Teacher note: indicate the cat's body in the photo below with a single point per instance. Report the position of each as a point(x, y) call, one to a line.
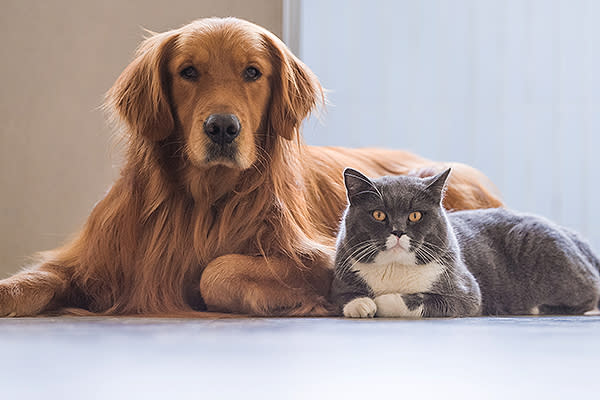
point(525, 264)
point(399, 254)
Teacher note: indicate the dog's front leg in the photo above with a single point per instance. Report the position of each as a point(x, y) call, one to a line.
point(32, 291)
point(265, 286)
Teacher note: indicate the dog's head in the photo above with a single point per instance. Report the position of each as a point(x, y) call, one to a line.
point(223, 85)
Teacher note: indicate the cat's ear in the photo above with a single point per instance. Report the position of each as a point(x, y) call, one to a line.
point(436, 185)
point(357, 184)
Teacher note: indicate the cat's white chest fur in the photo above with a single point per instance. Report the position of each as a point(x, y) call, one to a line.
point(396, 271)
point(399, 278)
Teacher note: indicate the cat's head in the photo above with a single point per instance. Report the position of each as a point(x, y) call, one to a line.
point(395, 219)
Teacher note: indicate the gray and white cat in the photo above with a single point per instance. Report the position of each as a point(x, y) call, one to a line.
point(399, 254)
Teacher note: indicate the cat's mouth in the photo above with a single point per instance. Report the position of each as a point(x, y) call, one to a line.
point(398, 244)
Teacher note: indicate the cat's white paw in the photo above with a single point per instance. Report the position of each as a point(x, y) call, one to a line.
point(393, 305)
point(361, 307)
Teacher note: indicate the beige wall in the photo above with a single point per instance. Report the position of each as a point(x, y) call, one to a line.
point(58, 58)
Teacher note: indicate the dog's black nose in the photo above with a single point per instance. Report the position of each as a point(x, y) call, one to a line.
point(222, 128)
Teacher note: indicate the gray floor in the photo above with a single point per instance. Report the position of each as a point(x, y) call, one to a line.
point(89, 358)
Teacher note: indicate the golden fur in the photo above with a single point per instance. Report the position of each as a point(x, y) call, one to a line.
point(183, 230)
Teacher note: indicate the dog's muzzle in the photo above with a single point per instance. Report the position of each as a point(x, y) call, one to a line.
point(222, 128)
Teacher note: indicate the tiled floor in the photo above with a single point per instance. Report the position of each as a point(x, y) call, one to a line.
point(483, 358)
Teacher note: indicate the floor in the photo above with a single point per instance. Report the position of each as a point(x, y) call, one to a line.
point(483, 358)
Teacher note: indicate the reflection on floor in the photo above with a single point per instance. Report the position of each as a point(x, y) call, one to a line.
point(484, 358)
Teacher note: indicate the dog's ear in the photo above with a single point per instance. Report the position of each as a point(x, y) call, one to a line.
point(296, 91)
point(140, 96)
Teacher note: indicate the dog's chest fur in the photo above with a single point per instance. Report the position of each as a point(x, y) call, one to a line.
point(397, 277)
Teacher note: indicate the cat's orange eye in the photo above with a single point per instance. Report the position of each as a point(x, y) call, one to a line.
point(379, 215)
point(415, 216)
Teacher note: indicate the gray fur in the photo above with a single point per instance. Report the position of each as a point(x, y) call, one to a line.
point(495, 261)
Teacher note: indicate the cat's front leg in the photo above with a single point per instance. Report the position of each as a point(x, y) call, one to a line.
point(440, 306)
point(430, 305)
point(360, 307)
point(393, 305)
point(352, 296)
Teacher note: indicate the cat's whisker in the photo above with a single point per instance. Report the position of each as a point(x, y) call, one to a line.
point(353, 251)
point(367, 254)
point(360, 243)
point(433, 246)
point(443, 252)
point(356, 261)
point(428, 253)
point(434, 258)
point(365, 249)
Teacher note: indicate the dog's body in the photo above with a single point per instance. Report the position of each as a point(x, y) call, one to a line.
point(219, 204)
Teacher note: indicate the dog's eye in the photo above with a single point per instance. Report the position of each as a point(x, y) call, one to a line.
point(251, 74)
point(189, 73)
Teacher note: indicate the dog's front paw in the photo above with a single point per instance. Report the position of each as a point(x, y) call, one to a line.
point(361, 307)
point(20, 297)
point(7, 304)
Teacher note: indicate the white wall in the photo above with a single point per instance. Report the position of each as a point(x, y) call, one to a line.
point(509, 86)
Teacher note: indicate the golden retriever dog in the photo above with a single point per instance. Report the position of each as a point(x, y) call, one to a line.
point(220, 206)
